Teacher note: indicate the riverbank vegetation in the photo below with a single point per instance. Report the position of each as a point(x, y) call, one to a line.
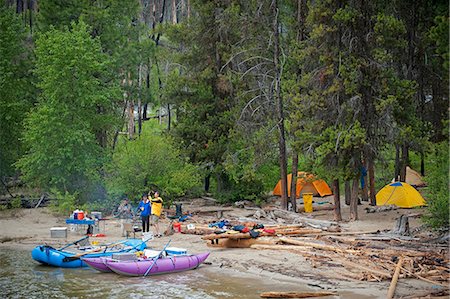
point(105, 99)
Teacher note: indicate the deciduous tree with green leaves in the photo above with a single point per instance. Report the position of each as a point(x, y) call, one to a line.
point(150, 163)
point(60, 136)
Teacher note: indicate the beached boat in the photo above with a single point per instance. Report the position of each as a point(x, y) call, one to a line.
point(144, 267)
point(48, 255)
point(96, 263)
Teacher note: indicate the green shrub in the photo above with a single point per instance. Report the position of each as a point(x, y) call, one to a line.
point(16, 203)
point(150, 163)
point(66, 202)
point(438, 188)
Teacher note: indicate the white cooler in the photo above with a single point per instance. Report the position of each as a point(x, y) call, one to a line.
point(58, 232)
point(151, 253)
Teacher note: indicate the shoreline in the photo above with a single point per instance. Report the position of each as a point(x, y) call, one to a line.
point(27, 228)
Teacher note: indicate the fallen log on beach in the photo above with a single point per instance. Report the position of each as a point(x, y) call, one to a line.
point(301, 209)
point(242, 243)
point(296, 294)
point(394, 280)
point(319, 246)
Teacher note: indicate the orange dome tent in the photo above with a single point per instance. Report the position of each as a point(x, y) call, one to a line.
point(306, 183)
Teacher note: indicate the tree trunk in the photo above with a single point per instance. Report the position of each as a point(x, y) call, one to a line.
point(404, 162)
point(101, 134)
point(207, 182)
point(131, 128)
point(182, 9)
point(337, 201)
point(371, 170)
point(365, 191)
point(401, 226)
point(30, 10)
point(174, 11)
point(397, 163)
point(140, 101)
point(161, 20)
point(422, 100)
point(169, 117)
point(279, 105)
point(301, 15)
point(19, 6)
point(354, 200)
point(348, 193)
point(188, 5)
point(294, 180)
point(153, 18)
point(122, 119)
point(422, 164)
point(147, 85)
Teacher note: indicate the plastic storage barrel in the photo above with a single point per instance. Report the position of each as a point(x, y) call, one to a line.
point(307, 201)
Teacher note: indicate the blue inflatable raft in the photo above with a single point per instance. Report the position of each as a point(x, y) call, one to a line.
point(48, 255)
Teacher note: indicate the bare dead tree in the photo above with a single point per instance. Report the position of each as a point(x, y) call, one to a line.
point(279, 106)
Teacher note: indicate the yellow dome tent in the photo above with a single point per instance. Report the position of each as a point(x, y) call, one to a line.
point(306, 183)
point(400, 194)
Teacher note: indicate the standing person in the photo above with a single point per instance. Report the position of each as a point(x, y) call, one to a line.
point(144, 207)
point(156, 211)
point(125, 214)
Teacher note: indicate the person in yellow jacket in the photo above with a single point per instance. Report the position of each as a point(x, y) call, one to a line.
point(157, 203)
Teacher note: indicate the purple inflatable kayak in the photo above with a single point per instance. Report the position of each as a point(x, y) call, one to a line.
point(97, 263)
point(168, 264)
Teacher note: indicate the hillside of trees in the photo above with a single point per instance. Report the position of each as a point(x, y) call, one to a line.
point(103, 99)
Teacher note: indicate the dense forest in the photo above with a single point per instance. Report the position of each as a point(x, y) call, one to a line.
point(105, 98)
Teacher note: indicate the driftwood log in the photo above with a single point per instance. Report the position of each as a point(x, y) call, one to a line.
point(377, 209)
point(242, 243)
point(296, 218)
point(318, 246)
point(301, 208)
point(294, 248)
point(25, 202)
point(394, 280)
point(296, 294)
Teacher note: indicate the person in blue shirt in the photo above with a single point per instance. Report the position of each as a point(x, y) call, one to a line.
point(145, 208)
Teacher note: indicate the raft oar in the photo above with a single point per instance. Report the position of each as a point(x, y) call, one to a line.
point(135, 246)
point(112, 244)
point(143, 241)
point(74, 243)
point(77, 256)
point(157, 257)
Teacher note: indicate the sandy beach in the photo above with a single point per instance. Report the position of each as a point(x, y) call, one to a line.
point(275, 269)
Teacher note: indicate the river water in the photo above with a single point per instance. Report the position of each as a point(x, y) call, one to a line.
point(22, 277)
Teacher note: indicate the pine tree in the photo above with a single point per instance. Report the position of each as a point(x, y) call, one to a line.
point(202, 90)
point(349, 88)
